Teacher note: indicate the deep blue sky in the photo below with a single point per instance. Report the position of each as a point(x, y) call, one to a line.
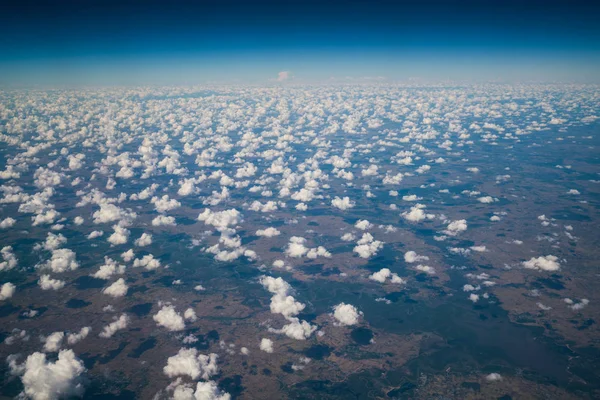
point(85, 41)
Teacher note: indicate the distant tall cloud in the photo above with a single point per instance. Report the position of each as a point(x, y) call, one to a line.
point(283, 76)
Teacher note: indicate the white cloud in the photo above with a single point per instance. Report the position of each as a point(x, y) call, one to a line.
point(221, 220)
point(342, 203)
point(204, 391)
point(62, 260)
point(120, 235)
point(383, 274)
point(46, 380)
point(363, 224)
point(109, 268)
point(112, 328)
point(547, 263)
point(95, 234)
point(367, 246)
point(425, 268)
point(188, 362)
point(494, 376)
point(296, 247)
point(266, 345)
point(117, 289)
point(169, 318)
point(7, 291)
point(163, 220)
point(54, 341)
point(47, 283)
point(346, 314)
point(74, 338)
point(283, 76)
point(416, 214)
point(10, 260)
point(455, 227)
point(190, 315)
point(148, 262)
point(411, 257)
point(268, 232)
point(144, 240)
point(7, 223)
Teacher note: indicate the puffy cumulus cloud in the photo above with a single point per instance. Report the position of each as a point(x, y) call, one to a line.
point(493, 377)
point(75, 161)
point(45, 178)
point(547, 263)
point(190, 315)
point(7, 222)
point(268, 232)
point(301, 207)
point(455, 227)
point(187, 187)
point(296, 329)
point(426, 269)
point(144, 240)
point(576, 306)
point(52, 242)
point(348, 237)
point(109, 213)
point(266, 345)
point(54, 341)
point(7, 291)
point(246, 171)
point(95, 234)
point(110, 268)
point(296, 247)
point(119, 236)
point(416, 214)
point(74, 338)
point(117, 289)
point(128, 255)
point(46, 380)
point(411, 257)
point(342, 203)
point(221, 220)
point(371, 171)
point(412, 197)
point(78, 220)
point(148, 262)
point(164, 203)
point(266, 207)
point(283, 76)
point(346, 314)
point(45, 217)
point(169, 318)
point(10, 260)
point(204, 391)
point(62, 260)
point(384, 274)
point(393, 179)
point(318, 252)
point(367, 246)
point(303, 195)
point(486, 199)
point(119, 324)
point(163, 220)
point(47, 283)
point(474, 297)
point(363, 224)
point(189, 362)
point(282, 302)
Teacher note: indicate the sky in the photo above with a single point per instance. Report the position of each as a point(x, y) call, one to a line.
point(229, 41)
